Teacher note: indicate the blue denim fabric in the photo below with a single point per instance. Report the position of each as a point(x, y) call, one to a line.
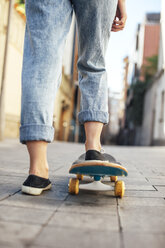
point(47, 25)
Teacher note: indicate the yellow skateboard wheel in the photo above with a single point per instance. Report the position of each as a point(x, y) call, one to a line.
point(74, 186)
point(113, 178)
point(119, 189)
point(80, 177)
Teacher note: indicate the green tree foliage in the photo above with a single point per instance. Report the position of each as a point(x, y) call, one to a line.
point(20, 1)
point(20, 6)
point(150, 68)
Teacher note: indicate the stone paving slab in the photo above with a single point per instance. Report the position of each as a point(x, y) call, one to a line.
point(140, 187)
point(90, 219)
point(8, 190)
point(8, 244)
point(28, 201)
point(157, 181)
point(161, 189)
point(24, 215)
point(143, 240)
point(11, 180)
point(86, 221)
point(16, 233)
point(71, 237)
point(104, 198)
point(136, 181)
point(150, 219)
point(145, 193)
point(88, 208)
point(143, 201)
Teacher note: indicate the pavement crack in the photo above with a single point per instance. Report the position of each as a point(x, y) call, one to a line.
point(120, 226)
point(30, 243)
point(6, 197)
point(147, 179)
point(154, 187)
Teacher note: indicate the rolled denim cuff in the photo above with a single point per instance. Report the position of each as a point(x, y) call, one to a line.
point(36, 132)
point(89, 115)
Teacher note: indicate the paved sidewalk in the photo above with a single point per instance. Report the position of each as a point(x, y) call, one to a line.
point(57, 219)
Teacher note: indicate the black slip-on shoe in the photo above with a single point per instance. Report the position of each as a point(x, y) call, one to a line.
point(94, 155)
point(35, 185)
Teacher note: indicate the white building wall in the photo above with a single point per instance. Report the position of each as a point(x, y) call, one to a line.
point(141, 46)
point(146, 135)
point(114, 108)
point(132, 60)
point(136, 56)
point(14, 59)
point(159, 125)
point(163, 31)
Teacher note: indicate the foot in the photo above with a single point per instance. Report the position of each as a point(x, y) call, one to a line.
point(35, 185)
point(93, 154)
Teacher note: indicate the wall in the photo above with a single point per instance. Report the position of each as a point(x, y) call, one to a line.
point(146, 135)
point(13, 70)
point(159, 127)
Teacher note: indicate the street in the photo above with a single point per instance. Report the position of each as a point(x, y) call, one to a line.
point(90, 219)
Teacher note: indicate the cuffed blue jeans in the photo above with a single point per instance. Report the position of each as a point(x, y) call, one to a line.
point(47, 25)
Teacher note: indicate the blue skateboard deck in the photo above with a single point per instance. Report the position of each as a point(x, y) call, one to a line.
point(97, 167)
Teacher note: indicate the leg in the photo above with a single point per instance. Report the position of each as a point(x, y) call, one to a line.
point(93, 132)
point(38, 158)
point(94, 21)
point(47, 26)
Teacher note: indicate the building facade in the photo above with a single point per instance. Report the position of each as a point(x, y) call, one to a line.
point(143, 73)
point(159, 122)
point(146, 45)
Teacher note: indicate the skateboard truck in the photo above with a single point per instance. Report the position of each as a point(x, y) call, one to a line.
point(96, 185)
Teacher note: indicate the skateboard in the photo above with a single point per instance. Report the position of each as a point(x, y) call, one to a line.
point(97, 169)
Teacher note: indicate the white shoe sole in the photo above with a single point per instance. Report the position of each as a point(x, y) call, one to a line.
point(34, 191)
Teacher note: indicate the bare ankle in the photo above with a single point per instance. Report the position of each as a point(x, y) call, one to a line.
point(38, 158)
point(93, 131)
point(92, 146)
point(41, 170)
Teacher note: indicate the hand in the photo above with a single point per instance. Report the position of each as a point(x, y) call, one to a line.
point(121, 15)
